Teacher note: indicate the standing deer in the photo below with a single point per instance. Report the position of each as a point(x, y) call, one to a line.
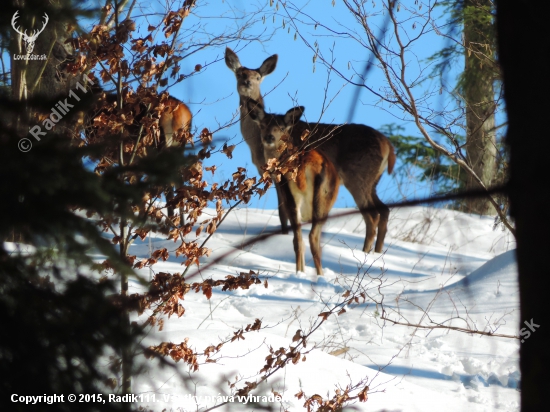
point(176, 116)
point(248, 87)
point(311, 196)
point(359, 153)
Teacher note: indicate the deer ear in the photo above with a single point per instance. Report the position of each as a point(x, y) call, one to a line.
point(255, 110)
point(293, 115)
point(231, 59)
point(268, 65)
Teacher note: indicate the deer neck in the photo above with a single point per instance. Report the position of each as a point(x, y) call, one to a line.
point(251, 132)
point(243, 99)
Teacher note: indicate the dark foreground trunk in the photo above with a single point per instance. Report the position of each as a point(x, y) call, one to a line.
point(524, 47)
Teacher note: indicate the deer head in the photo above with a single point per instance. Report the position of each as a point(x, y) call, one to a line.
point(248, 80)
point(29, 40)
point(273, 127)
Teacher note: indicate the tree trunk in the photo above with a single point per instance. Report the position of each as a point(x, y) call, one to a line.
point(31, 78)
point(126, 351)
point(47, 79)
point(479, 94)
point(523, 51)
point(44, 77)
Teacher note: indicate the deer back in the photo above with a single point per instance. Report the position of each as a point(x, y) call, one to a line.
point(175, 117)
point(106, 118)
point(354, 148)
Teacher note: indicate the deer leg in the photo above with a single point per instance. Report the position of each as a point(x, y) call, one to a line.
point(298, 241)
point(283, 215)
point(182, 217)
point(371, 220)
point(295, 223)
point(324, 196)
point(299, 249)
point(181, 209)
point(384, 212)
point(369, 216)
point(169, 194)
point(315, 244)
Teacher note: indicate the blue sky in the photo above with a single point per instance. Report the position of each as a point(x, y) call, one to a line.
point(213, 98)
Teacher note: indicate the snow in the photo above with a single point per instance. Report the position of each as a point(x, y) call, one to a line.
point(438, 266)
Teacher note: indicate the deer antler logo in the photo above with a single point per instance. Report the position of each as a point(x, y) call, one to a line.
point(29, 40)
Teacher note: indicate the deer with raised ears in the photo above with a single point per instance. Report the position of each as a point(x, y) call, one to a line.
point(248, 87)
point(359, 153)
point(313, 192)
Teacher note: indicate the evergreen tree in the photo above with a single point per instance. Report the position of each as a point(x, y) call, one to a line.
point(62, 322)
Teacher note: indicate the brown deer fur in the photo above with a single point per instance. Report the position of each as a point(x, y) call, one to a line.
point(248, 87)
point(177, 117)
point(311, 196)
point(174, 117)
point(359, 153)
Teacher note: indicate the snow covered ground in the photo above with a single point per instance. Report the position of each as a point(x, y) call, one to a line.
point(439, 267)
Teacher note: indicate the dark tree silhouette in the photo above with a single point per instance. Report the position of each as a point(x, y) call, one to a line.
point(524, 47)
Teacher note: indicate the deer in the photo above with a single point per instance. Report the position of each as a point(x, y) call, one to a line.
point(359, 153)
point(310, 195)
point(176, 116)
point(248, 87)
